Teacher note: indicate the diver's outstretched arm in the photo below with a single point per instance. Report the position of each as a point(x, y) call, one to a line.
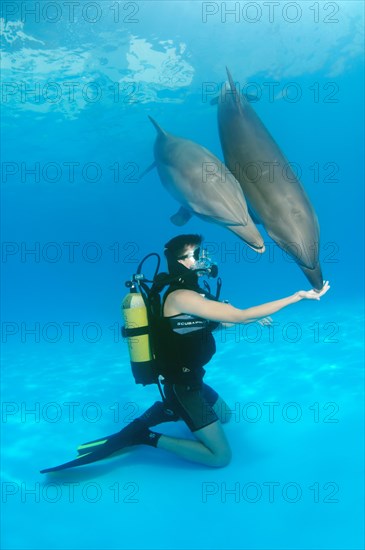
point(187, 301)
point(257, 312)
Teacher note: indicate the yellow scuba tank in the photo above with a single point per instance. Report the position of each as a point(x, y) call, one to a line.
point(137, 332)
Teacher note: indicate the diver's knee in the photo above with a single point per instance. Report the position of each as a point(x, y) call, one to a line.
point(222, 459)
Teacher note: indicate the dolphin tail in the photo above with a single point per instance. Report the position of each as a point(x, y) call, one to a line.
point(160, 131)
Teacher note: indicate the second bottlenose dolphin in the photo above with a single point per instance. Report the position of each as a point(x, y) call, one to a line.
point(275, 196)
point(200, 182)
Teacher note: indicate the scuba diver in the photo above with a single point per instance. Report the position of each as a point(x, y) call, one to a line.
point(189, 315)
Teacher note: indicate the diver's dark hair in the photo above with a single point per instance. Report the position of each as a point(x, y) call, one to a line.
point(176, 247)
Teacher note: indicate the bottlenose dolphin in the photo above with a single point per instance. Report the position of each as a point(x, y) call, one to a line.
point(201, 183)
point(275, 196)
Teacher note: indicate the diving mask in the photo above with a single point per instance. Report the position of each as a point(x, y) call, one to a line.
point(203, 262)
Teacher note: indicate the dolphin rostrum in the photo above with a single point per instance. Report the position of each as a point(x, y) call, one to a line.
point(201, 183)
point(274, 194)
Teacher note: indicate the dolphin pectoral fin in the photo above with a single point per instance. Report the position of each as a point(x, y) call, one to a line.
point(214, 101)
point(150, 167)
point(181, 217)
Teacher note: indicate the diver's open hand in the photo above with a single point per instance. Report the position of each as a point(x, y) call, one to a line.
point(314, 294)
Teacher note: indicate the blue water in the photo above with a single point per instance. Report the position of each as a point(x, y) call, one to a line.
point(296, 390)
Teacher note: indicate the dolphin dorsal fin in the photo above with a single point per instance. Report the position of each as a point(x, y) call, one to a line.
point(233, 87)
point(160, 131)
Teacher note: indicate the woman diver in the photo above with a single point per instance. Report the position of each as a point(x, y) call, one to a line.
point(189, 315)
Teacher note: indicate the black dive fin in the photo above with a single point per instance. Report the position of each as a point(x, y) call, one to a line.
point(87, 458)
point(181, 217)
point(148, 169)
point(104, 447)
point(127, 436)
point(92, 446)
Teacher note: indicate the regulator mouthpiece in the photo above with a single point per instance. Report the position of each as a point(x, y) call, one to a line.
point(205, 264)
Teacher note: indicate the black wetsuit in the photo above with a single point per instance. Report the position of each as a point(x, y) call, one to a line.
point(186, 345)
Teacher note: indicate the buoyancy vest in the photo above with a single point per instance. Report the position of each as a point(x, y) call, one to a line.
point(186, 344)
